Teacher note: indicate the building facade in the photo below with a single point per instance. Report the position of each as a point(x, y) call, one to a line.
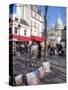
point(25, 24)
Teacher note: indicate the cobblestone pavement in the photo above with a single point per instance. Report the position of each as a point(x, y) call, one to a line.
point(58, 67)
point(21, 64)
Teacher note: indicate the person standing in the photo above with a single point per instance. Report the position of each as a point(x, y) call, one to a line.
point(39, 51)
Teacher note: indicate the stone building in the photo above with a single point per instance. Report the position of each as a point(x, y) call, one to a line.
point(26, 24)
point(55, 33)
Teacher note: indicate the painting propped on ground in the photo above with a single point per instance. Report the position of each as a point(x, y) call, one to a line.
point(37, 44)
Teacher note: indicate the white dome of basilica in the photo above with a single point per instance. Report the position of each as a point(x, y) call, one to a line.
point(59, 24)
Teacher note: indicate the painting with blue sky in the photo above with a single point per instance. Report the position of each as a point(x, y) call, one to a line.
point(37, 44)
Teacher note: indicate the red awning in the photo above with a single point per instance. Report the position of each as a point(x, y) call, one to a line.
point(19, 38)
point(36, 38)
point(26, 39)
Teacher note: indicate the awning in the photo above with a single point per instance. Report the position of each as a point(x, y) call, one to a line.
point(26, 39)
point(20, 38)
point(36, 38)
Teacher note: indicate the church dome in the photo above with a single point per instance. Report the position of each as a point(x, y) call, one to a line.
point(59, 24)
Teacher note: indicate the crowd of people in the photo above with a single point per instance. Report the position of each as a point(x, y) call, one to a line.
point(59, 49)
point(35, 49)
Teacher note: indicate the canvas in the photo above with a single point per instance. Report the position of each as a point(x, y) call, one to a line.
point(37, 44)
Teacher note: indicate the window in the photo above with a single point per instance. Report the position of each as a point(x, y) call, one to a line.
point(10, 20)
point(37, 17)
point(16, 30)
point(33, 24)
point(16, 19)
point(33, 14)
point(34, 7)
point(10, 30)
point(37, 25)
point(25, 32)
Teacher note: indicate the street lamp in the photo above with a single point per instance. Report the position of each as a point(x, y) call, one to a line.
point(45, 43)
point(19, 26)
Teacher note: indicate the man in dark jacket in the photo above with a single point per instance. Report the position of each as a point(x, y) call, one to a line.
point(39, 51)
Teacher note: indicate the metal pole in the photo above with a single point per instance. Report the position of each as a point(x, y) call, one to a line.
point(19, 37)
point(19, 41)
point(45, 42)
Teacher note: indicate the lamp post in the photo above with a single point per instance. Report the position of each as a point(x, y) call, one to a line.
point(45, 42)
point(19, 26)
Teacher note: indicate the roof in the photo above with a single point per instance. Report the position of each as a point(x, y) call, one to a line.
point(22, 21)
point(59, 24)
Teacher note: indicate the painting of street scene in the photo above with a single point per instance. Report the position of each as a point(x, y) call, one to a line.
point(37, 44)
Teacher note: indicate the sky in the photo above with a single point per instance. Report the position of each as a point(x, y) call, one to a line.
point(53, 14)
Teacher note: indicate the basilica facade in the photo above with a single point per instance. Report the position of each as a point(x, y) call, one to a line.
point(55, 33)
